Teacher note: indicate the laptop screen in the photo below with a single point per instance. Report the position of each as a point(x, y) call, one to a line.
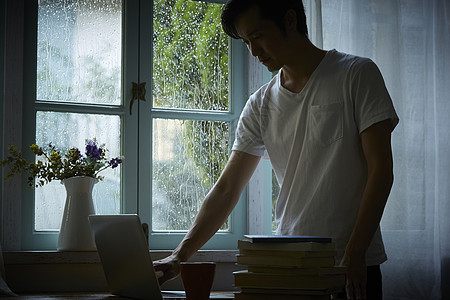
point(124, 253)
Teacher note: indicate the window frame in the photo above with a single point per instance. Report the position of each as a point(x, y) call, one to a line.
point(134, 169)
point(2, 90)
point(259, 195)
point(46, 240)
point(12, 117)
point(237, 97)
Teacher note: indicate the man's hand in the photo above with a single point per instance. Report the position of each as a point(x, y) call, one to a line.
point(214, 211)
point(167, 268)
point(356, 277)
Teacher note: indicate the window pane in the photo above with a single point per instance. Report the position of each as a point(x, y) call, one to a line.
point(79, 51)
point(190, 56)
point(188, 157)
point(67, 130)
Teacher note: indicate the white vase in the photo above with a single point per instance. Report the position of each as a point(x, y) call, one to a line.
point(75, 233)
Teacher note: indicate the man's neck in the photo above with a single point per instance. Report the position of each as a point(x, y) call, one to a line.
point(304, 60)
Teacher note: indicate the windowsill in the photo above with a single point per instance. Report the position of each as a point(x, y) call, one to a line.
point(57, 271)
point(86, 257)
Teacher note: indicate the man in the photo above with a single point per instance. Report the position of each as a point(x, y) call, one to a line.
point(325, 122)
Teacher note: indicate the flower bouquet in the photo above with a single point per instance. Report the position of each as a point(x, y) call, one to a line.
point(78, 173)
point(58, 166)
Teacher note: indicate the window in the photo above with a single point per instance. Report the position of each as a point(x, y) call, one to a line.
point(161, 85)
point(190, 73)
point(194, 113)
point(78, 64)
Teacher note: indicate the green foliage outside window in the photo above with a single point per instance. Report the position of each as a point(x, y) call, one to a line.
point(190, 53)
point(190, 71)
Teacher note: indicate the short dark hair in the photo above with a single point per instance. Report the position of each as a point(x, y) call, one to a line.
point(274, 10)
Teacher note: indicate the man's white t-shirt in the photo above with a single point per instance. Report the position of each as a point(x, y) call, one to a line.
point(312, 139)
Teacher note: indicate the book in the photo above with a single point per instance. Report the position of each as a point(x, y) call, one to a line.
point(304, 246)
point(259, 296)
point(286, 239)
point(282, 261)
point(288, 253)
point(280, 281)
point(298, 271)
point(292, 292)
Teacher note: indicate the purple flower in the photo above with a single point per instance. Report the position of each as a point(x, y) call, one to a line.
point(114, 163)
point(92, 151)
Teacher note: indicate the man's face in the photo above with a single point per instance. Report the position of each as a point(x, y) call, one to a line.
point(263, 38)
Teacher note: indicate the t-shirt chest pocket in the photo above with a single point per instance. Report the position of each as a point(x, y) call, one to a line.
point(326, 123)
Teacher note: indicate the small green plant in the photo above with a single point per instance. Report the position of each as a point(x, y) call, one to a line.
point(57, 166)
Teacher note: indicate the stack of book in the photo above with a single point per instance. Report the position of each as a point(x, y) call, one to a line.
point(287, 267)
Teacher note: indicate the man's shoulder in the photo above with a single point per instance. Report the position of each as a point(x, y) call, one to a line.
point(348, 61)
point(349, 66)
point(344, 56)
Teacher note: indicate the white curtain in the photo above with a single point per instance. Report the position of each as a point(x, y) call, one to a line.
point(410, 42)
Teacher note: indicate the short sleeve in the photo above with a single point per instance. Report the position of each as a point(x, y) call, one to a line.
point(248, 132)
point(372, 102)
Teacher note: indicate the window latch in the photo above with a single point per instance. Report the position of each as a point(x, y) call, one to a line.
point(137, 89)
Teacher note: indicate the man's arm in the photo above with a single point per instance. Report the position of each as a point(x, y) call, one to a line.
point(214, 211)
point(376, 144)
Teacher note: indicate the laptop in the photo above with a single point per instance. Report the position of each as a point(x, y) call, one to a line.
point(124, 254)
